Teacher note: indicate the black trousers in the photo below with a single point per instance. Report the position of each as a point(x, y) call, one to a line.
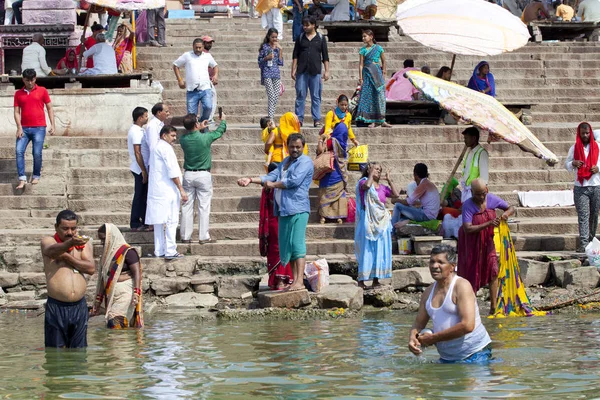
point(65, 324)
point(138, 204)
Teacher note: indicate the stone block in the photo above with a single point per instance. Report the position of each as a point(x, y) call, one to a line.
point(26, 304)
point(582, 277)
point(235, 287)
point(164, 286)
point(422, 245)
point(20, 296)
point(339, 279)
point(533, 272)
point(204, 288)
point(73, 85)
point(418, 276)
point(48, 5)
point(295, 299)
point(42, 16)
point(341, 296)
point(8, 280)
point(558, 268)
point(380, 297)
point(32, 278)
point(191, 300)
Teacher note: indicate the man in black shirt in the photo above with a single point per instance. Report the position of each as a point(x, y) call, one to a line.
point(309, 51)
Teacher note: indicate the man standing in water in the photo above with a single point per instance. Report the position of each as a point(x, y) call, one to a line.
point(67, 256)
point(291, 181)
point(450, 303)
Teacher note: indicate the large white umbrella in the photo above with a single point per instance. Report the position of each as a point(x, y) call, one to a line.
point(468, 27)
point(129, 5)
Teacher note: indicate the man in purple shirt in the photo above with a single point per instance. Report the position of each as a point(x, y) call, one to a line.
point(477, 259)
point(426, 194)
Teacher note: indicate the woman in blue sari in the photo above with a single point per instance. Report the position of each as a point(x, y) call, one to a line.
point(483, 80)
point(373, 230)
point(371, 104)
point(333, 203)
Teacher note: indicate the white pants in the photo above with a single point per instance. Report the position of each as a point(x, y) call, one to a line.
point(273, 19)
point(214, 103)
point(8, 16)
point(198, 186)
point(164, 239)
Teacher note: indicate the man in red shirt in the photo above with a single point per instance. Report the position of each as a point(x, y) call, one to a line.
point(88, 43)
point(31, 125)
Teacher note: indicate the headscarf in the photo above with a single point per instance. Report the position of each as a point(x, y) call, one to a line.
point(69, 64)
point(479, 84)
point(288, 124)
point(584, 172)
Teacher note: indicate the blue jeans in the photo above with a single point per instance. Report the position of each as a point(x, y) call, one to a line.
point(297, 24)
point(35, 135)
point(402, 213)
point(304, 83)
point(196, 97)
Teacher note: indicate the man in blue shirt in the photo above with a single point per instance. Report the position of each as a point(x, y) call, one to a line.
point(291, 181)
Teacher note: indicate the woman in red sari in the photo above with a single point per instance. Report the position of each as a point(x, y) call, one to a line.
point(123, 45)
point(268, 228)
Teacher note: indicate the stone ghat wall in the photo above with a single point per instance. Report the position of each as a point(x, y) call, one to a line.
point(86, 112)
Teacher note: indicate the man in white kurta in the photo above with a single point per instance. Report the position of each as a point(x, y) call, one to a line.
point(165, 193)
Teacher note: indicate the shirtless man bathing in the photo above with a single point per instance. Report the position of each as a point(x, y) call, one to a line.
point(67, 256)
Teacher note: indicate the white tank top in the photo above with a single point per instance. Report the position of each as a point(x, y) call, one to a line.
point(447, 316)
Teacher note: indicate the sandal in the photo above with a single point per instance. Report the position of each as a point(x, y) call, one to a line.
point(174, 257)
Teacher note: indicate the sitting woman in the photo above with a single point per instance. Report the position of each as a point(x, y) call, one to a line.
point(338, 115)
point(373, 231)
point(280, 276)
point(333, 203)
point(371, 105)
point(444, 73)
point(123, 46)
point(483, 80)
point(68, 64)
point(119, 287)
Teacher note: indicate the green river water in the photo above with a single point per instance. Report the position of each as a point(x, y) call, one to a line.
point(178, 357)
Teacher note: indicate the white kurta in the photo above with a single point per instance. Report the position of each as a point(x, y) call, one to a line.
point(163, 196)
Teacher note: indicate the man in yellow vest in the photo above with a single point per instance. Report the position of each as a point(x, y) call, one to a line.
point(475, 164)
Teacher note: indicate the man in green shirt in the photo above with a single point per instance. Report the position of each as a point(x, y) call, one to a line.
point(197, 181)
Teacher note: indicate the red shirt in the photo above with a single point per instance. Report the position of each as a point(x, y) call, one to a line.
point(89, 42)
point(32, 106)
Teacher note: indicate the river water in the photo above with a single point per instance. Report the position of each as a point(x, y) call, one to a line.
point(178, 357)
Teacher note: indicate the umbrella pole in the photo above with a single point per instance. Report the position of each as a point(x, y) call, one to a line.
point(82, 48)
point(447, 185)
point(452, 65)
point(134, 50)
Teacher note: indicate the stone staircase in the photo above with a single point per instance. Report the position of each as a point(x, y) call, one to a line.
point(90, 175)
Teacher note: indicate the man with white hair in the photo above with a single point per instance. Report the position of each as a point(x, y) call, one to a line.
point(477, 259)
point(105, 61)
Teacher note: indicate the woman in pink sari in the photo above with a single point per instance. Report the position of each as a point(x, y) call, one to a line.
point(123, 45)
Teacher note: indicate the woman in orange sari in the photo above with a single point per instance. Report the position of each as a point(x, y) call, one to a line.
point(123, 46)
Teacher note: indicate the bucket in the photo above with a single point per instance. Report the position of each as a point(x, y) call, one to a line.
point(405, 246)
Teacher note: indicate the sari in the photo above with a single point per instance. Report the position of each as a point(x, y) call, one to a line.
point(479, 84)
point(288, 124)
point(333, 203)
point(141, 27)
point(399, 87)
point(371, 104)
point(268, 240)
point(117, 295)
point(512, 297)
point(64, 62)
point(372, 235)
point(477, 259)
point(123, 49)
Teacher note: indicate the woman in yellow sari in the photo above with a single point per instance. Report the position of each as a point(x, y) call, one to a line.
point(119, 288)
point(275, 139)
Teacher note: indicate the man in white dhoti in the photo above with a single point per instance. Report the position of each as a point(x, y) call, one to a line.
point(165, 193)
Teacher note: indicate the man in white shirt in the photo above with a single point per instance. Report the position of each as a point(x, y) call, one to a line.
point(160, 112)
point(165, 193)
point(476, 164)
point(197, 80)
point(138, 169)
point(105, 60)
point(34, 57)
point(340, 12)
point(583, 159)
point(589, 11)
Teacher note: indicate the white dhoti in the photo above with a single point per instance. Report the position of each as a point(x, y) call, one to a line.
point(273, 19)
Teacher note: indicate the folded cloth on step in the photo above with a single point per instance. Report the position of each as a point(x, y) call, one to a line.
point(550, 198)
point(432, 225)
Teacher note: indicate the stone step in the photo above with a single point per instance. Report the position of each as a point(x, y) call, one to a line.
point(46, 187)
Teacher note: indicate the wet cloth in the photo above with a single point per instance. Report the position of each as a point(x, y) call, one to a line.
point(477, 260)
point(480, 84)
point(333, 203)
point(481, 357)
point(117, 295)
point(65, 323)
point(268, 240)
point(292, 237)
point(512, 297)
point(373, 233)
point(371, 104)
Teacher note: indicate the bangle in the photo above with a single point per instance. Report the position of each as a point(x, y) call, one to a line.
point(137, 291)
